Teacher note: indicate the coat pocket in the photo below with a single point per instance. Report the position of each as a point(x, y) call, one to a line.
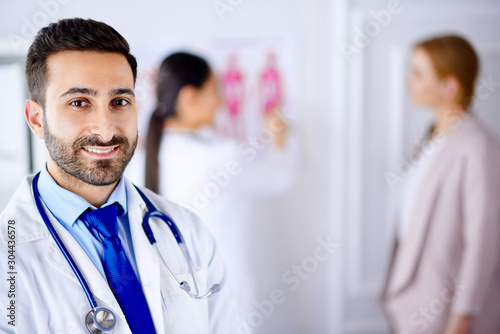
point(182, 313)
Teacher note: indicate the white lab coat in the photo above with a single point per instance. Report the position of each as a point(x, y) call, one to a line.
point(49, 299)
point(195, 172)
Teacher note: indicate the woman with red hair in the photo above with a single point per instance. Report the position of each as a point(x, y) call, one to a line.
point(444, 272)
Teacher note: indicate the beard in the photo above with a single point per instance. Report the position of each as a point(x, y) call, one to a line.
point(99, 172)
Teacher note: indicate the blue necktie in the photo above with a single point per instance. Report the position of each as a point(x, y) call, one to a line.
point(121, 277)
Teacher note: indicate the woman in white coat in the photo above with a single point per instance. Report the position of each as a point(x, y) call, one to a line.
point(218, 179)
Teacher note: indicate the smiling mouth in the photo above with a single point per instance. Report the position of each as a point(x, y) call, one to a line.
point(101, 151)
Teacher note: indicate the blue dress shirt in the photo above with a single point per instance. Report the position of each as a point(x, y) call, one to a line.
point(67, 207)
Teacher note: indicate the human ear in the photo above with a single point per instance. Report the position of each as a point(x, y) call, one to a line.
point(186, 97)
point(451, 88)
point(34, 117)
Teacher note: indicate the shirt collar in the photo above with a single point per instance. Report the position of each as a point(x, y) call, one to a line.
point(67, 206)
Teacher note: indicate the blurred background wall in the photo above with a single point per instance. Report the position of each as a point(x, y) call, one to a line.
point(354, 125)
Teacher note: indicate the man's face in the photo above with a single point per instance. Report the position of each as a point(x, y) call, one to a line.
point(90, 117)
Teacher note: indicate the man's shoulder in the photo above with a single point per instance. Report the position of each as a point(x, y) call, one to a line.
point(19, 197)
point(21, 209)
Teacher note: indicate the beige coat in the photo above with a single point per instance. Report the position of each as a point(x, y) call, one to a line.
point(449, 260)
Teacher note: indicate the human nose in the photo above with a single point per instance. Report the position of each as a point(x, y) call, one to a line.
point(103, 123)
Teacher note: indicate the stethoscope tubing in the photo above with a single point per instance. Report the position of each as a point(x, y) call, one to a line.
point(60, 244)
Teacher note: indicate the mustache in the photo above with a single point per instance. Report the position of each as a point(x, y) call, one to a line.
point(94, 140)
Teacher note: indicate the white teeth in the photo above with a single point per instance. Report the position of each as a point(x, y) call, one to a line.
point(99, 151)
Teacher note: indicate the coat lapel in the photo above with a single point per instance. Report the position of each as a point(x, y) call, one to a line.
point(410, 249)
point(97, 284)
point(147, 259)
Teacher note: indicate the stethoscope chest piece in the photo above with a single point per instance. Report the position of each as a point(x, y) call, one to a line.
point(100, 320)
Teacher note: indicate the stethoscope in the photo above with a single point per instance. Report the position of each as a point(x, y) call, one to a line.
point(103, 320)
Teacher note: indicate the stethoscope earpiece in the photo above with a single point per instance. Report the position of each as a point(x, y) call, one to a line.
point(185, 286)
point(215, 288)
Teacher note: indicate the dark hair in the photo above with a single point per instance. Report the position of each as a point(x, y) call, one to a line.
point(454, 56)
point(176, 71)
point(70, 35)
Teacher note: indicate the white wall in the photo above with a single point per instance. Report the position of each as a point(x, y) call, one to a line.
point(14, 150)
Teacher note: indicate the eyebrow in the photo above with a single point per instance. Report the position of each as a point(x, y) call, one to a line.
point(93, 92)
point(79, 90)
point(121, 91)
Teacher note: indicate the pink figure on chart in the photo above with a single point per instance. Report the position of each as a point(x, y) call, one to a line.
point(232, 92)
point(270, 88)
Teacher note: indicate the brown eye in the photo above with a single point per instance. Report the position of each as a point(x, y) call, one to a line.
point(79, 103)
point(120, 103)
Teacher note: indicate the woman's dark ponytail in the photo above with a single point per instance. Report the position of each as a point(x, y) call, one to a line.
point(153, 139)
point(176, 71)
